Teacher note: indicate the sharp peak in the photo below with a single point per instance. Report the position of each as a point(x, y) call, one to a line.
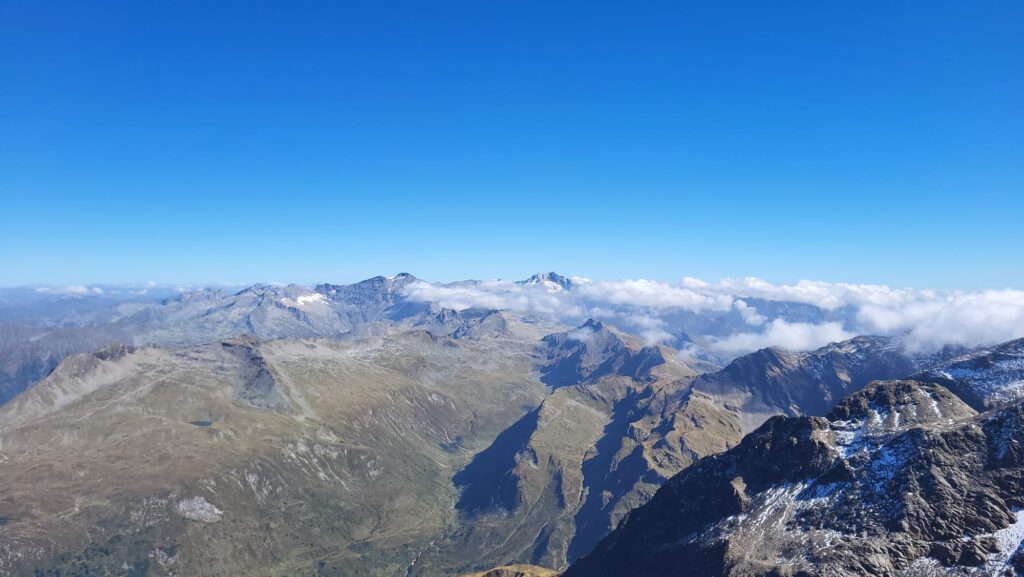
point(548, 275)
point(590, 326)
point(550, 278)
point(597, 327)
point(402, 276)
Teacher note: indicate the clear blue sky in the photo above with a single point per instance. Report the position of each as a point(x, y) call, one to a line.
point(247, 141)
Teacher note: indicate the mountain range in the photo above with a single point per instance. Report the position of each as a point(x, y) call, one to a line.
point(41, 326)
point(365, 430)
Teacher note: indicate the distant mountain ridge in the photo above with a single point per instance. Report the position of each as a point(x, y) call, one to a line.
point(89, 317)
point(188, 318)
point(775, 381)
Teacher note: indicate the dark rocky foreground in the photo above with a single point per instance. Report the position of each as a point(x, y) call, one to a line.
point(903, 478)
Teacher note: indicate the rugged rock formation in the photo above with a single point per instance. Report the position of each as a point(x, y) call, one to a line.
point(984, 379)
point(774, 381)
point(594, 350)
point(617, 427)
point(902, 478)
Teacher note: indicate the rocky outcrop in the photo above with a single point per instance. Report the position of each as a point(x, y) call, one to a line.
point(256, 384)
point(934, 491)
point(469, 323)
point(984, 379)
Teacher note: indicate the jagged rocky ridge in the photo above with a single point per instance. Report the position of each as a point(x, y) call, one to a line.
point(901, 479)
point(28, 353)
point(986, 378)
point(37, 332)
point(775, 381)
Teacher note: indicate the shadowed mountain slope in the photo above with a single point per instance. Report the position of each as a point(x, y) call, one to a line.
point(251, 457)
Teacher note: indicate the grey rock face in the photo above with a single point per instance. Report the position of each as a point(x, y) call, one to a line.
point(776, 381)
point(470, 323)
point(902, 478)
point(987, 378)
point(591, 351)
point(256, 384)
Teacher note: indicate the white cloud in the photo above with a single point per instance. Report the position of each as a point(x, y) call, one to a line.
point(497, 295)
point(828, 296)
point(928, 319)
point(71, 290)
point(655, 294)
point(649, 328)
point(581, 334)
point(979, 318)
point(779, 333)
point(749, 314)
point(655, 336)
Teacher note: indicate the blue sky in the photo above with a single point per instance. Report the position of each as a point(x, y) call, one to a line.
point(300, 141)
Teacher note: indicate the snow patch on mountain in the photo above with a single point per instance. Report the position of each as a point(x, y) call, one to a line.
point(302, 301)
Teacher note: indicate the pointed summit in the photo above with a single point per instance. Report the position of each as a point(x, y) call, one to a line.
point(594, 350)
point(551, 280)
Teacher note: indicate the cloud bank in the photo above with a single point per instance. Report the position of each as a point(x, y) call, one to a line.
point(734, 316)
point(780, 333)
point(71, 290)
